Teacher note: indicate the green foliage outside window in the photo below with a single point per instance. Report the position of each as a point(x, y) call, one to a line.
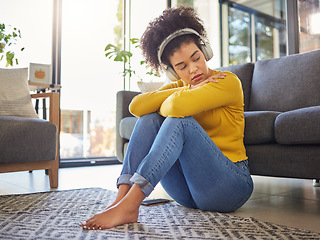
point(265, 49)
point(239, 37)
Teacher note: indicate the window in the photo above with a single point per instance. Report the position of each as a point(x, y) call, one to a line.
point(309, 18)
point(35, 27)
point(239, 36)
point(252, 30)
point(138, 15)
point(265, 46)
point(89, 80)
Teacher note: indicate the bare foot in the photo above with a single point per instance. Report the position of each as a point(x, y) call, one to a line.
point(111, 217)
point(125, 211)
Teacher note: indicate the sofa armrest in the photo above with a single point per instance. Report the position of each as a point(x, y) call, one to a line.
point(299, 126)
point(123, 101)
point(122, 110)
point(259, 127)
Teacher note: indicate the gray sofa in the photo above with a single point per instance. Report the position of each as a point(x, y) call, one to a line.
point(282, 114)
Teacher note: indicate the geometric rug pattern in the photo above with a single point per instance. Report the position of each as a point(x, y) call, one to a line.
point(57, 214)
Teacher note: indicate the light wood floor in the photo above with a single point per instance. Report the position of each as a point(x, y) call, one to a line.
point(290, 202)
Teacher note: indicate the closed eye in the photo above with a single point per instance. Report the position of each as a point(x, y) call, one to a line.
point(183, 67)
point(196, 59)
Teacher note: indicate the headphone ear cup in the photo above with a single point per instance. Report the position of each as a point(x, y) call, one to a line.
point(207, 51)
point(171, 74)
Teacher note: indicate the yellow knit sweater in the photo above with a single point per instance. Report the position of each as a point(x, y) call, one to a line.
point(217, 107)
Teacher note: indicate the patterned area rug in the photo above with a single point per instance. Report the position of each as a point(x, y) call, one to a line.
point(56, 215)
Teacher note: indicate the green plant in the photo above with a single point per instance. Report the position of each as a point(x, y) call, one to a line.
point(114, 52)
point(118, 55)
point(7, 39)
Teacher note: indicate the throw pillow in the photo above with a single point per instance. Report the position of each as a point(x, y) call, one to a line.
point(149, 86)
point(15, 97)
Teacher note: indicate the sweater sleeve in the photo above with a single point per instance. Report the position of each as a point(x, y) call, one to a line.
point(186, 102)
point(150, 102)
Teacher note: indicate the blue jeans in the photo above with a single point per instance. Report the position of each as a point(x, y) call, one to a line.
point(191, 168)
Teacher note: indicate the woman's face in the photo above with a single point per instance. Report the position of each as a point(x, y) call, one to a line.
point(190, 64)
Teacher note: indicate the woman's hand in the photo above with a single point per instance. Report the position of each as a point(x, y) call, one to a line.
point(209, 79)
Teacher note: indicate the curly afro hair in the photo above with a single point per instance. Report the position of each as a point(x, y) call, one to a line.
point(170, 21)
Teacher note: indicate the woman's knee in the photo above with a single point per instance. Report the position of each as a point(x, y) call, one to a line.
point(152, 120)
point(152, 117)
point(180, 120)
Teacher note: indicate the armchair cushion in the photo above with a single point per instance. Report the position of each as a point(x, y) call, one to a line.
point(299, 126)
point(15, 97)
point(259, 127)
point(16, 134)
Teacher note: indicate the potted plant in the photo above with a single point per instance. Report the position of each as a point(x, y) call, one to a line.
point(114, 52)
point(7, 40)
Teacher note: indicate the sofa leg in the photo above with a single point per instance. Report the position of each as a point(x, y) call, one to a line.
point(53, 177)
point(316, 183)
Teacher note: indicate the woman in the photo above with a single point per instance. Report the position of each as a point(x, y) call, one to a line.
point(189, 134)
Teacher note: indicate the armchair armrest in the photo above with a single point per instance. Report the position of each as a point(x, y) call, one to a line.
point(54, 107)
point(54, 117)
point(122, 110)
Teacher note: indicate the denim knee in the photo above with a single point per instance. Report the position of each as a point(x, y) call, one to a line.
point(180, 119)
point(152, 117)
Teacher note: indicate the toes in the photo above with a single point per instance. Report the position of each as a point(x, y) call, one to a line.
point(96, 226)
point(86, 225)
point(83, 224)
point(91, 225)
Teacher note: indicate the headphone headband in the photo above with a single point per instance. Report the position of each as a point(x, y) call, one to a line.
point(205, 48)
point(172, 36)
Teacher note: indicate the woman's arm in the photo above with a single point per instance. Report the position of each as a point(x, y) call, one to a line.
point(150, 102)
point(186, 102)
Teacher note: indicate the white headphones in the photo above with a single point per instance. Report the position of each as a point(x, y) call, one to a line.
point(204, 47)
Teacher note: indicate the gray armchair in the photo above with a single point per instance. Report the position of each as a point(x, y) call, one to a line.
point(31, 144)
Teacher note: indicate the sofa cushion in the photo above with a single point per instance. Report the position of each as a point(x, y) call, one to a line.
point(286, 83)
point(26, 139)
point(244, 73)
point(259, 127)
point(300, 126)
point(126, 127)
